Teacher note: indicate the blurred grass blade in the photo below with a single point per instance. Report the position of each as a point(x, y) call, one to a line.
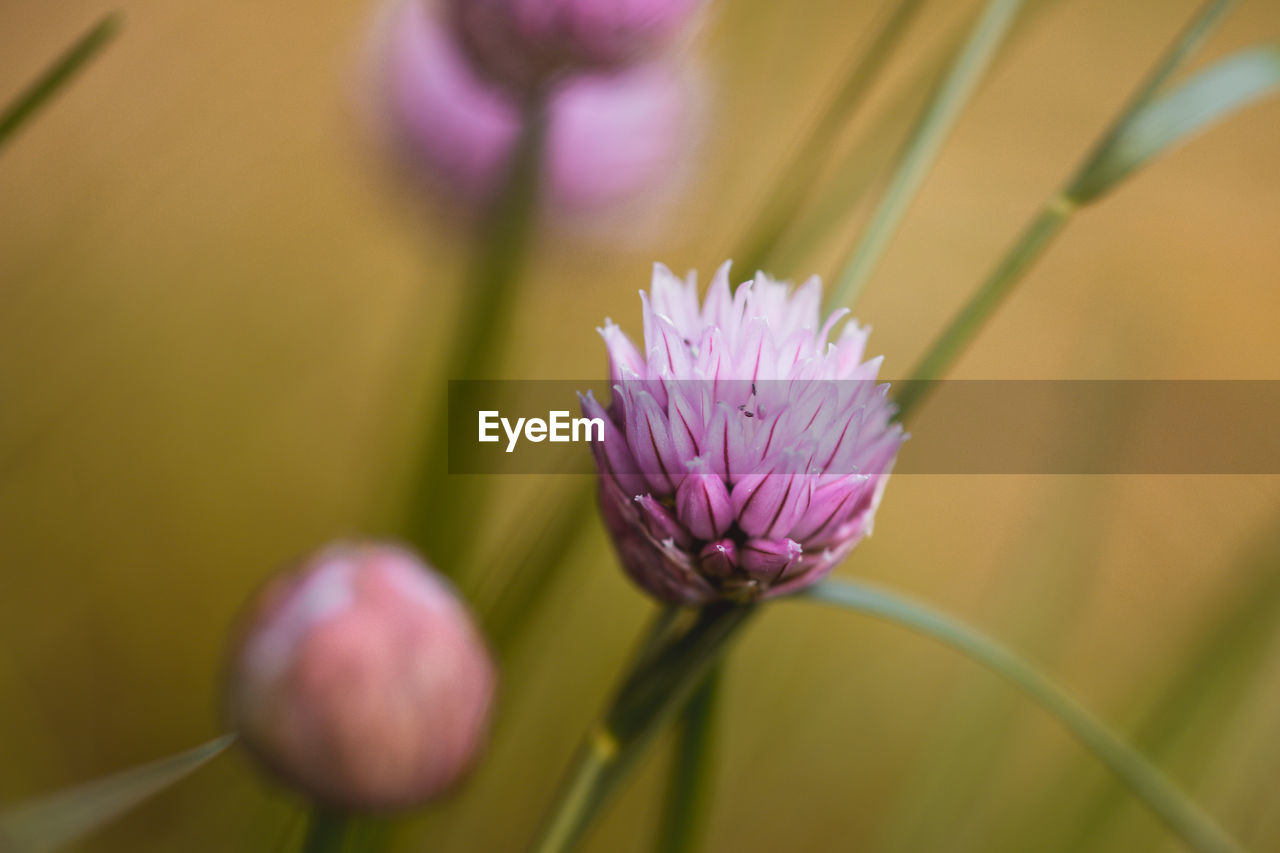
point(688, 799)
point(1191, 38)
point(330, 831)
point(1186, 819)
point(926, 140)
point(874, 150)
point(59, 819)
point(537, 561)
point(1148, 126)
point(57, 75)
point(1205, 99)
point(431, 521)
point(1192, 713)
point(800, 173)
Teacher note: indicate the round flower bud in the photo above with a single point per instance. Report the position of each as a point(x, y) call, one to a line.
point(360, 679)
point(524, 41)
point(747, 444)
point(612, 138)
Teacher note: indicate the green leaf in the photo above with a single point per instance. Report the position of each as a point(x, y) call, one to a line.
point(57, 75)
point(1183, 816)
point(1208, 97)
point(58, 819)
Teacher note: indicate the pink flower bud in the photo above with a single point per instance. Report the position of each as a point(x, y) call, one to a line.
point(522, 41)
point(360, 679)
point(612, 138)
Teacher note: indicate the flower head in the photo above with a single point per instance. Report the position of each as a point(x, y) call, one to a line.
point(744, 452)
point(524, 40)
point(360, 679)
point(613, 137)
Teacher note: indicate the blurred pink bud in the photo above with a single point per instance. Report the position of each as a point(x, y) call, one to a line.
point(522, 41)
point(360, 679)
point(612, 137)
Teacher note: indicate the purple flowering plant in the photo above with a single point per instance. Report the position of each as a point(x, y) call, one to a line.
point(747, 448)
point(747, 443)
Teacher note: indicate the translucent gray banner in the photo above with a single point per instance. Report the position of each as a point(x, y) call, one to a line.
point(965, 427)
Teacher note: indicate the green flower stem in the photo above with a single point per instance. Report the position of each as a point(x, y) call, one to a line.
point(57, 75)
point(926, 140)
point(479, 337)
point(1183, 816)
point(333, 831)
point(687, 811)
point(432, 521)
point(1095, 177)
point(798, 176)
point(660, 681)
point(327, 831)
point(973, 316)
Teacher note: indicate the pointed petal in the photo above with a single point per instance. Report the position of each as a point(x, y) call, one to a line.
point(769, 559)
point(613, 457)
point(649, 438)
point(660, 523)
point(719, 559)
point(623, 355)
point(702, 502)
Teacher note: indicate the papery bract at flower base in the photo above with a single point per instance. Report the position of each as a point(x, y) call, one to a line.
point(361, 680)
point(744, 453)
point(612, 138)
point(525, 40)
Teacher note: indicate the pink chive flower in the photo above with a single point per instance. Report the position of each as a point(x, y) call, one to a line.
point(360, 679)
point(522, 41)
point(613, 138)
point(744, 452)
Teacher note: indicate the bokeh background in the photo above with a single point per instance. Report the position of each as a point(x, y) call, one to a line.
point(219, 307)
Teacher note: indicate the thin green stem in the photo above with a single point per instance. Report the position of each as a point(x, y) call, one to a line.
point(57, 75)
point(687, 809)
point(1192, 36)
point(535, 564)
point(657, 685)
point(925, 142)
point(799, 174)
point(330, 831)
point(479, 337)
point(327, 831)
point(1182, 815)
point(973, 316)
point(1048, 223)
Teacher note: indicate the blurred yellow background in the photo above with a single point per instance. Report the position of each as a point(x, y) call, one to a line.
point(218, 310)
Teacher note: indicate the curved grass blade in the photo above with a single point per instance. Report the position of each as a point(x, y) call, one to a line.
point(1147, 128)
point(926, 139)
point(59, 819)
point(1187, 721)
point(798, 176)
point(1208, 97)
point(57, 75)
point(874, 152)
point(1183, 816)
